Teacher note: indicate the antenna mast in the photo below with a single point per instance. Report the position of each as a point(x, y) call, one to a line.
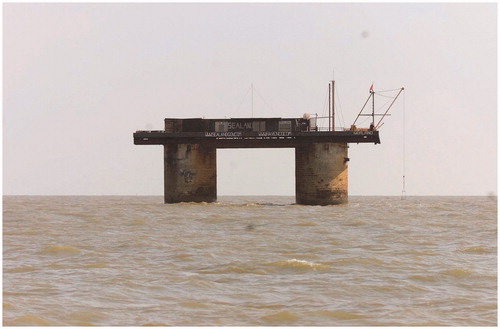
point(373, 106)
point(374, 126)
point(331, 106)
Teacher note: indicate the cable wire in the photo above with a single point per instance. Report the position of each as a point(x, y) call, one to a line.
point(265, 102)
point(340, 108)
point(403, 192)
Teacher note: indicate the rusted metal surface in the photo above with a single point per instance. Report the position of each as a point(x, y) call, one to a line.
point(234, 125)
point(160, 138)
point(245, 133)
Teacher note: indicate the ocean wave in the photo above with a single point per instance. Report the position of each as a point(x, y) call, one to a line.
point(359, 261)
point(249, 268)
point(96, 265)
point(280, 318)
point(305, 224)
point(476, 250)
point(85, 318)
point(29, 320)
point(457, 273)
point(21, 269)
point(338, 315)
point(443, 275)
point(60, 250)
point(424, 278)
point(298, 264)
point(79, 215)
point(192, 304)
point(233, 269)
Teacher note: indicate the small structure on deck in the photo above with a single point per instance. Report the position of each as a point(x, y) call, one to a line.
point(321, 159)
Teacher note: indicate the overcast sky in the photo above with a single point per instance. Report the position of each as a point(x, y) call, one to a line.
point(79, 79)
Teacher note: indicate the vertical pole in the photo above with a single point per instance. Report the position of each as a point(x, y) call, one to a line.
point(333, 105)
point(403, 192)
point(373, 106)
point(329, 107)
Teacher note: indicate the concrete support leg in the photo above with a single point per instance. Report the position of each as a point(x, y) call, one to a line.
point(190, 172)
point(321, 174)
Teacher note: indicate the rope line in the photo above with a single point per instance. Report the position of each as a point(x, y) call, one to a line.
point(403, 192)
point(323, 114)
point(265, 102)
point(242, 101)
point(382, 107)
point(340, 108)
point(385, 91)
point(384, 95)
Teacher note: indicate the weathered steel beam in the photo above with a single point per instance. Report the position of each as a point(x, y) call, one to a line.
point(255, 141)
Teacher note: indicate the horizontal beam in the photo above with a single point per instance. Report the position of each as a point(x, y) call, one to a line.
point(264, 140)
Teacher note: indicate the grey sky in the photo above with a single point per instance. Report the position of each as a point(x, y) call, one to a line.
point(79, 79)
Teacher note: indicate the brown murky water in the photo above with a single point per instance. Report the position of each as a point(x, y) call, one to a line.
point(249, 261)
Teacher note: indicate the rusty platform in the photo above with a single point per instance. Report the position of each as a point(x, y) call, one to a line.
point(190, 157)
point(249, 133)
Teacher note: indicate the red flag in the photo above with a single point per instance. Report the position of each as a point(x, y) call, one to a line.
point(371, 88)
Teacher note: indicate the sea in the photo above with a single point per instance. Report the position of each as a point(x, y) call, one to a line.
point(249, 261)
